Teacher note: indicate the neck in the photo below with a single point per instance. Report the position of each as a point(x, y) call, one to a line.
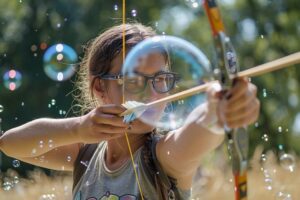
point(117, 152)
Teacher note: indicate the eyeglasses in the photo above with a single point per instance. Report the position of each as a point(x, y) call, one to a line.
point(162, 81)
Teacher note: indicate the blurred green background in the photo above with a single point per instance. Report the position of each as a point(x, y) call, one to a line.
point(261, 31)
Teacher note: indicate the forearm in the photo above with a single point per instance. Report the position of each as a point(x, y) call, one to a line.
point(39, 136)
point(195, 141)
point(191, 142)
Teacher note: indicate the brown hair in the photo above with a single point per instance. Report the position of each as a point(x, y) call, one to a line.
point(99, 54)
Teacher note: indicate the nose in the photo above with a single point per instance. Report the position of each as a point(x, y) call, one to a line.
point(149, 93)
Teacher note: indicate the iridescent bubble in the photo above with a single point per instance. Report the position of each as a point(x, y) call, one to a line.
point(33, 151)
point(263, 157)
point(265, 93)
point(41, 144)
point(265, 137)
point(268, 182)
point(283, 196)
point(7, 185)
point(288, 162)
point(59, 62)
point(134, 13)
point(69, 158)
point(12, 79)
point(16, 163)
point(1, 108)
point(193, 3)
point(116, 7)
point(53, 101)
point(33, 47)
point(50, 143)
point(280, 146)
point(47, 197)
point(16, 179)
point(160, 67)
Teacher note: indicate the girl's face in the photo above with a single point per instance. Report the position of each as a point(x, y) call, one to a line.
point(111, 91)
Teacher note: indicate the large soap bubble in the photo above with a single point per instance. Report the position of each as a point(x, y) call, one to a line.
point(159, 67)
point(59, 62)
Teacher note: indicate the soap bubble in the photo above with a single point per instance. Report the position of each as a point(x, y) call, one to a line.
point(16, 163)
point(283, 196)
point(12, 79)
point(159, 67)
point(59, 62)
point(288, 162)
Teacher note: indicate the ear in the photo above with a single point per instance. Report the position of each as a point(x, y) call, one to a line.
point(99, 89)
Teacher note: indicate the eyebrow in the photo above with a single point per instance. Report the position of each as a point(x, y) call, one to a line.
point(140, 73)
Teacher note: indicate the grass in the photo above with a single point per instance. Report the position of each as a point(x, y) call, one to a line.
point(266, 180)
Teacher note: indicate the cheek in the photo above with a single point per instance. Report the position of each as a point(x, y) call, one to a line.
point(116, 94)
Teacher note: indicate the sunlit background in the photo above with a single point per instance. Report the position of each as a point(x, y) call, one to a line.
point(41, 44)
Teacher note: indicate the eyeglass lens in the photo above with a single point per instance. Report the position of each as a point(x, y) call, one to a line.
point(162, 83)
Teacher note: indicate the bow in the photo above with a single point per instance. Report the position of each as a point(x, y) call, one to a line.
point(237, 139)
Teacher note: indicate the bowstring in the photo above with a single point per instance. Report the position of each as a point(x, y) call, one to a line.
point(126, 135)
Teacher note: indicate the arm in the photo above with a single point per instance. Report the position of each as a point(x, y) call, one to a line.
point(39, 136)
point(56, 141)
point(181, 151)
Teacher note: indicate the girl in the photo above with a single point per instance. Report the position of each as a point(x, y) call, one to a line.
point(165, 165)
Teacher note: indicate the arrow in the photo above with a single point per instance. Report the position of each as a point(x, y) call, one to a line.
point(252, 72)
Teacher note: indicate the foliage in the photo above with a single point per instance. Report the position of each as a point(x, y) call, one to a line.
point(31, 22)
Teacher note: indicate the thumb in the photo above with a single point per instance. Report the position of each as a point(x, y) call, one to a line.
point(214, 92)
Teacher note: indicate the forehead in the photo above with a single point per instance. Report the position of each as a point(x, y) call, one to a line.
point(151, 63)
point(147, 64)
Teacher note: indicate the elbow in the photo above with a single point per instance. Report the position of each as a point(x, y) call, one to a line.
point(4, 147)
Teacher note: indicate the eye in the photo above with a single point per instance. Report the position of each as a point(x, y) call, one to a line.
point(160, 79)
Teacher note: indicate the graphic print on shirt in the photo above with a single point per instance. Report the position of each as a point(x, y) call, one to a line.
point(108, 196)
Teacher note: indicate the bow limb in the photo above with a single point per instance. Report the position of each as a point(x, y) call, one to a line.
point(237, 139)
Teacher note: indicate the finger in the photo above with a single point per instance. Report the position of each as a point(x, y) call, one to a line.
point(108, 119)
point(248, 117)
point(103, 128)
point(213, 91)
point(110, 109)
point(243, 101)
point(239, 88)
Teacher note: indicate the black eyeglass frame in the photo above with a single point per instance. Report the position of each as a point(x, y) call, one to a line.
point(119, 78)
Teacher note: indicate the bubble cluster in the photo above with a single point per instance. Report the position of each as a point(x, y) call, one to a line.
point(283, 196)
point(9, 180)
point(47, 197)
point(59, 62)
point(193, 3)
point(12, 79)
